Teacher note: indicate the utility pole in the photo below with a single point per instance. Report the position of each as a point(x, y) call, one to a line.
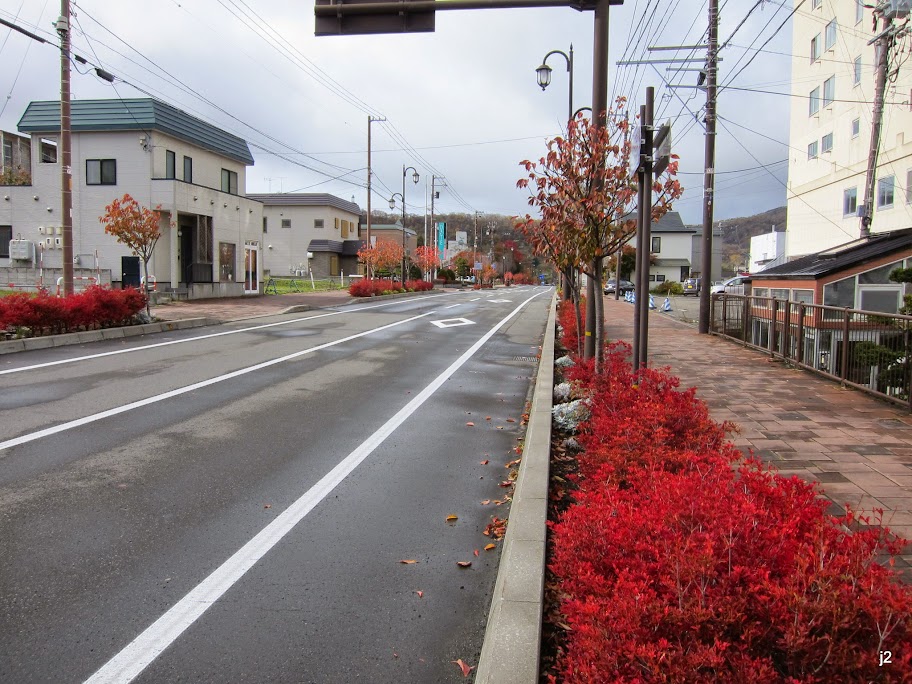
point(370, 120)
point(66, 154)
point(644, 244)
point(710, 163)
point(882, 44)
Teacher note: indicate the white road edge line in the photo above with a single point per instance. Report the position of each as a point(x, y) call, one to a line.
point(145, 648)
point(32, 436)
point(209, 336)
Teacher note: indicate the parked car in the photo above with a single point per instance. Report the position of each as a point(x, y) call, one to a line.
point(626, 286)
point(733, 286)
point(691, 286)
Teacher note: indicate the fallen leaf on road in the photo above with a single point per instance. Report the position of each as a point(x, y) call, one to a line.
point(420, 593)
point(484, 462)
point(464, 564)
point(490, 546)
point(485, 502)
point(476, 552)
point(466, 669)
point(506, 483)
point(513, 463)
point(451, 517)
point(499, 427)
point(268, 506)
point(408, 562)
point(511, 420)
point(470, 424)
point(487, 417)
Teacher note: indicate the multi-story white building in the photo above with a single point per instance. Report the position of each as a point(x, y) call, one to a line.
point(833, 77)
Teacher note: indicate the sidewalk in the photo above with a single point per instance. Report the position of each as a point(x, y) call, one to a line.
point(857, 447)
point(235, 308)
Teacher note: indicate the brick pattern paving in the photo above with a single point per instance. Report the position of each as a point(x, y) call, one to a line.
point(857, 447)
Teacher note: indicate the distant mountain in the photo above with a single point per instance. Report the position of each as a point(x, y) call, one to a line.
point(737, 233)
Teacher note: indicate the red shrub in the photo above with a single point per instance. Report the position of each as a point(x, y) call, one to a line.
point(418, 285)
point(95, 307)
point(367, 287)
point(675, 567)
point(566, 317)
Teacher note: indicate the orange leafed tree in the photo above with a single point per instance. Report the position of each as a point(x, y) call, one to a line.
point(427, 258)
point(136, 226)
point(586, 197)
point(385, 256)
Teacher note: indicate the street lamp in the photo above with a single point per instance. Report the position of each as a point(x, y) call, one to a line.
point(543, 75)
point(392, 205)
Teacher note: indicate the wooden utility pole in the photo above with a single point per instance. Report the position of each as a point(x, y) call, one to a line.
point(882, 45)
point(66, 155)
point(644, 246)
point(370, 120)
point(710, 163)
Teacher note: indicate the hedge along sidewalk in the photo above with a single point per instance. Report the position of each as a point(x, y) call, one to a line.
point(50, 341)
point(510, 653)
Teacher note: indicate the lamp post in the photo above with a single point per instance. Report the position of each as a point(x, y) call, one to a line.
point(392, 205)
point(543, 75)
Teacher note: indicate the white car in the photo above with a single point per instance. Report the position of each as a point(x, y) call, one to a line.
point(734, 286)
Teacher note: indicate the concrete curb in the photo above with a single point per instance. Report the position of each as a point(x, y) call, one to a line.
point(49, 341)
point(510, 653)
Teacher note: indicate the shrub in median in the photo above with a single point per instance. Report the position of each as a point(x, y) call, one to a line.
point(95, 307)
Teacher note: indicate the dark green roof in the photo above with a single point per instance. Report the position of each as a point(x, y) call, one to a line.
point(135, 115)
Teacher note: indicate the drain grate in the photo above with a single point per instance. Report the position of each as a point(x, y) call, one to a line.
point(530, 359)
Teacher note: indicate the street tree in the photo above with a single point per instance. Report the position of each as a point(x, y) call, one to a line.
point(583, 188)
point(386, 255)
point(137, 227)
point(427, 258)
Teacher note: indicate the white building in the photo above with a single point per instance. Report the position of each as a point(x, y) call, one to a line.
point(671, 250)
point(309, 232)
point(833, 75)
point(159, 155)
point(766, 250)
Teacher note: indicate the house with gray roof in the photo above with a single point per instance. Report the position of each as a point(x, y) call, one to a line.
point(309, 234)
point(161, 156)
point(671, 250)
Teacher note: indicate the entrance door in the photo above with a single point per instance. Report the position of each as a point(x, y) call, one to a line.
point(251, 270)
point(129, 268)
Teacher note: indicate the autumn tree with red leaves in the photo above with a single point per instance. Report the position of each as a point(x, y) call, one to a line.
point(427, 258)
point(137, 227)
point(385, 256)
point(587, 200)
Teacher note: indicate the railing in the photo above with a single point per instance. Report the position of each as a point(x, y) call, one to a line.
point(868, 350)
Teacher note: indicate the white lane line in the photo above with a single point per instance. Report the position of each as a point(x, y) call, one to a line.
point(209, 336)
point(475, 300)
point(139, 653)
point(32, 436)
point(452, 306)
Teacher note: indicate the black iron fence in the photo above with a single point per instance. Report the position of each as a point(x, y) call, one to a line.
point(867, 350)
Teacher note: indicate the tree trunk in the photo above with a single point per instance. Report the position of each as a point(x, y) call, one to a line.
point(575, 295)
point(145, 286)
point(591, 293)
point(598, 269)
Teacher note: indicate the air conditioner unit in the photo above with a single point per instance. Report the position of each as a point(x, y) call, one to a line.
point(21, 250)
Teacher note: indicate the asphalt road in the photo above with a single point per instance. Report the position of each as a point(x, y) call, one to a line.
point(232, 504)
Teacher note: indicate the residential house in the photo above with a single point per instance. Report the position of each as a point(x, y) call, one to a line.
point(309, 233)
point(15, 156)
point(671, 250)
point(392, 232)
point(833, 76)
point(161, 156)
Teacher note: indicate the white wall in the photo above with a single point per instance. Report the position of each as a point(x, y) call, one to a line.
point(285, 249)
point(765, 248)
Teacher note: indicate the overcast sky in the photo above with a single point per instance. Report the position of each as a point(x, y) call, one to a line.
point(461, 102)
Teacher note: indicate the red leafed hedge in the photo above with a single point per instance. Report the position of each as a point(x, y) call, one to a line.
point(96, 307)
point(680, 561)
point(364, 287)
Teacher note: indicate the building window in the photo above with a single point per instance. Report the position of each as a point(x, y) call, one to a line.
point(6, 234)
point(885, 192)
point(856, 127)
point(830, 35)
point(859, 10)
point(815, 48)
point(7, 154)
point(829, 91)
point(803, 296)
point(48, 150)
point(660, 278)
point(286, 223)
point(856, 74)
point(229, 182)
point(101, 172)
point(318, 224)
point(826, 143)
point(188, 169)
point(849, 201)
point(227, 261)
point(170, 164)
point(656, 245)
point(812, 150)
point(265, 225)
point(814, 101)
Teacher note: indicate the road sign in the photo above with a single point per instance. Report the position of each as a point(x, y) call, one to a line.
point(662, 144)
point(384, 20)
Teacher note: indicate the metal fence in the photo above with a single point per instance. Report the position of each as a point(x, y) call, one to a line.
point(868, 350)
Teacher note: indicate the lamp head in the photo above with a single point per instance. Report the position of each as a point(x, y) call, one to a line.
point(415, 177)
point(543, 76)
point(392, 203)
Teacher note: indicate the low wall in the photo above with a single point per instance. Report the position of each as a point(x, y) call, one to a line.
point(27, 278)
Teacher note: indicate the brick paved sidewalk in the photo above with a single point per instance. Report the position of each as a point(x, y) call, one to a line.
point(858, 447)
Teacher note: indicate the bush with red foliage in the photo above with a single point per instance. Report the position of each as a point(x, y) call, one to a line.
point(566, 319)
point(95, 307)
point(677, 567)
point(370, 287)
